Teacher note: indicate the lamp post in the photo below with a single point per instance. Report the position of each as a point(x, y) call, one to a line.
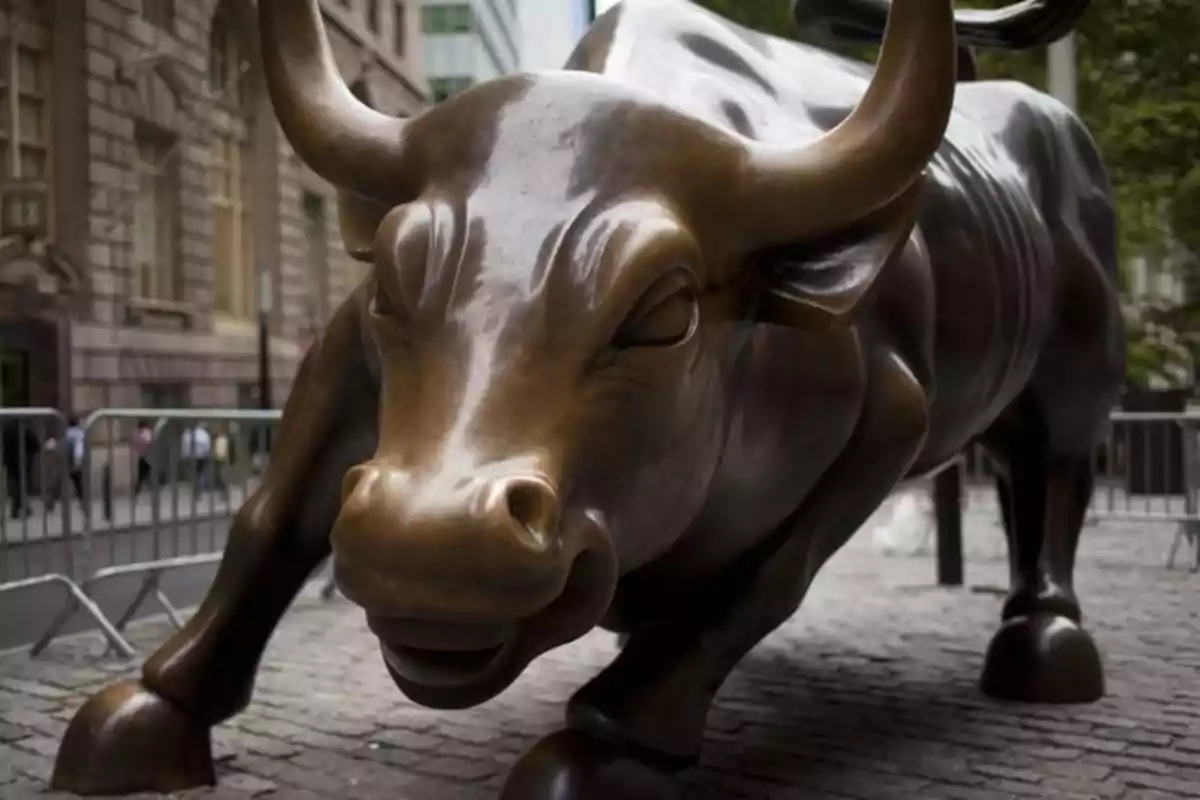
point(1060, 71)
point(264, 337)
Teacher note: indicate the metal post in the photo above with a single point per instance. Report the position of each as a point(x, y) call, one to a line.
point(1060, 71)
point(264, 338)
point(106, 489)
point(947, 508)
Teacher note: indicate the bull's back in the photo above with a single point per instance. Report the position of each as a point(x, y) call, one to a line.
point(744, 82)
point(1019, 208)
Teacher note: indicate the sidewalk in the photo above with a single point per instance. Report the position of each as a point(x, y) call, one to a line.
point(175, 502)
point(868, 692)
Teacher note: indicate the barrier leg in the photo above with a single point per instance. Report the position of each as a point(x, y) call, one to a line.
point(78, 599)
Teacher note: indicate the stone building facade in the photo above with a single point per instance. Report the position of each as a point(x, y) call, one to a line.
point(150, 199)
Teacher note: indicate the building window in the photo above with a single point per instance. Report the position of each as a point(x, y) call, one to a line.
point(455, 18)
point(156, 219)
point(233, 240)
point(159, 13)
point(399, 29)
point(317, 256)
point(232, 174)
point(373, 13)
point(446, 87)
point(24, 107)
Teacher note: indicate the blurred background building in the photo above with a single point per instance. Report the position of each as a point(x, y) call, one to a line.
point(469, 41)
point(550, 30)
point(151, 208)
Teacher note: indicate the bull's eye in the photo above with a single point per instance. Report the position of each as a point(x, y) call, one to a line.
point(663, 322)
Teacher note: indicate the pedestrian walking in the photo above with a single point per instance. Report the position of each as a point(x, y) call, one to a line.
point(196, 447)
point(221, 458)
point(20, 445)
point(75, 442)
point(143, 446)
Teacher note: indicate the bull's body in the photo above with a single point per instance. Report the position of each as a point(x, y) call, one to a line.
point(1018, 221)
point(643, 348)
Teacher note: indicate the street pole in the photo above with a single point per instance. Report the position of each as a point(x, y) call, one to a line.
point(1060, 71)
point(261, 434)
point(264, 338)
point(947, 508)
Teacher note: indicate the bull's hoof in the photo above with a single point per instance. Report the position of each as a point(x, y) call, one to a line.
point(1043, 658)
point(126, 740)
point(574, 765)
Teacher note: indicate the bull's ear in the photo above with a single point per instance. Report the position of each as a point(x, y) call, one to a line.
point(819, 286)
point(359, 218)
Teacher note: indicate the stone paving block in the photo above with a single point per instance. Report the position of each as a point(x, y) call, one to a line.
point(869, 692)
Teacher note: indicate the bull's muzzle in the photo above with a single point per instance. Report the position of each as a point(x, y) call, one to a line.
point(467, 580)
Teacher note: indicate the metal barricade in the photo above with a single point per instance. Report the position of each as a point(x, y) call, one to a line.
point(38, 531)
point(181, 474)
point(1152, 474)
point(1147, 470)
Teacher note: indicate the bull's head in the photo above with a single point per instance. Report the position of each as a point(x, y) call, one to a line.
point(563, 278)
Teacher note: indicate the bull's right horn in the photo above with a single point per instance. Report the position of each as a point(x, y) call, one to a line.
point(343, 140)
point(788, 193)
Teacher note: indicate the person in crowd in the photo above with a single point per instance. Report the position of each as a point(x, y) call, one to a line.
point(196, 449)
point(222, 456)
point(19, 445)
point(75, 443)
point(143, 446)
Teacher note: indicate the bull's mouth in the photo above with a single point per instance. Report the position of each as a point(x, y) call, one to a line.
point(434, 665)
point(449, 665)
point(441, 654)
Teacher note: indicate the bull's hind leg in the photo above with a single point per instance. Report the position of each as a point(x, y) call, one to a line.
point(154, 734)
point(649, 706)
point(1041, 653)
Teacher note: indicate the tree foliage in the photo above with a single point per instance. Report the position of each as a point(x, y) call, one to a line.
point(1139, 94)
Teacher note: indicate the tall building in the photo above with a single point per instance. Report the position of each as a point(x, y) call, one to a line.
point(469, 41)
point(150, 207)
point(550, 30)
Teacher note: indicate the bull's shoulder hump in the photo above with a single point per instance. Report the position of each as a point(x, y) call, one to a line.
point(1029, 125)
point(695, 61)
point(1000, 103)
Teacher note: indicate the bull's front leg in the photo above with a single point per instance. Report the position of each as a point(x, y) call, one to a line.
point(649, 707)
point(153, 734)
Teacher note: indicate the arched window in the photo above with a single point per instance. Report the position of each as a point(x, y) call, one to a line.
point(233, 90)
point(24, 112)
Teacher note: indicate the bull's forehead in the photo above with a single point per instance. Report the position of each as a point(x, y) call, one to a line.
point(543, 141)
point(540, 189)
point(491, 262)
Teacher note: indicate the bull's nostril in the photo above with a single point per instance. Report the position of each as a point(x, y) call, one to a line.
point(532, 506)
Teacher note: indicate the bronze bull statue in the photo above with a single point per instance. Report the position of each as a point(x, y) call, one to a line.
point(643, 344)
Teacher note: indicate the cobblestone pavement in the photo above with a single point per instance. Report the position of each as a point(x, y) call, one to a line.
point(869, 692)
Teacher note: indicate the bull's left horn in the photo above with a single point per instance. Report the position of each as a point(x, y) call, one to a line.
point(344, 140)
point(875, 153)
